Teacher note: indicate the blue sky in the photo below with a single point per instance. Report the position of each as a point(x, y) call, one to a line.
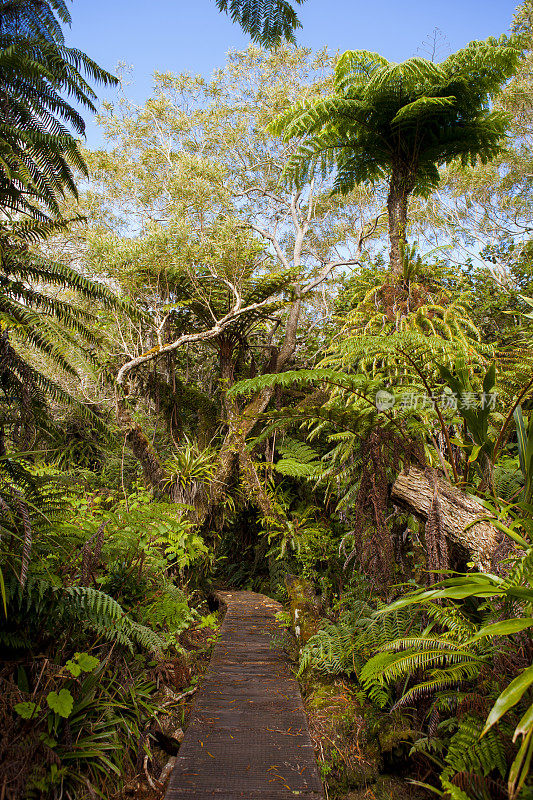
point(192, 36)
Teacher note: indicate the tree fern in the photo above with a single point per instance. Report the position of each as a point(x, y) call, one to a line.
point(37, 320)
point(39, 154)
point(267, 22)
point(400, 122)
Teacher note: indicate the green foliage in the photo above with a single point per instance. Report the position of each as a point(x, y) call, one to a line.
point(189, 471)
point(82, 662)
point(298, 460)
point(61, 703)
point(95, 570)
point(91, 736)
point(169, 612)
point(525, 451)
point(266, 22)
point(26, 710)
point(345, 646)
point(436, 111)
point(92, 711)
point(468, 753)
point(463, 660)
point(39, 154)
point(105, 616)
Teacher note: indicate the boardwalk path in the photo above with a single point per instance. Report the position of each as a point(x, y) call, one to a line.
point(248, 734)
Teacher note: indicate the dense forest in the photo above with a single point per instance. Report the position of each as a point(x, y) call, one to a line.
point(275, 335)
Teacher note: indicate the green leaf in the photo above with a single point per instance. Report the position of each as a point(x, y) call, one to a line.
point(416, 110)
point(522, 593)
point(475, 452)
point(490, 378)
point(521, 436)
point(61, 703)
point(504, 628)
point(73, 668)
point(510, 696)
point(48, 740)
point(86, 662)
point(525, 725)
point(520, 766)
point(26, 710)
point(468, 590)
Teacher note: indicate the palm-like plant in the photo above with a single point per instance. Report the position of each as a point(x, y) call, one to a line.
point(34, 318)
point(426, 296)
point(38, 153)
point(401, 122)
point(266, 21)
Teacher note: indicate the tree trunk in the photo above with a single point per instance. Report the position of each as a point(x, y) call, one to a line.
point(397, 202)
point(235, 443)
point(152, 468)
point(457, 510)
point(242, 422)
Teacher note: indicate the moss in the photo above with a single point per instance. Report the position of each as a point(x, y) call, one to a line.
point(356, 744)
point(347, 759)
point(304, 607)
point(389, 787)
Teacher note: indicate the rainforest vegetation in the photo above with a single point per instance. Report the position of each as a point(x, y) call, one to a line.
point(275, 335)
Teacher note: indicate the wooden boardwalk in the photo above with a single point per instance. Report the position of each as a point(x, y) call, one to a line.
point(248, 735)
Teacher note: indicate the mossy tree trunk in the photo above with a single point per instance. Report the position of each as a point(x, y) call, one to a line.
point(400, 188)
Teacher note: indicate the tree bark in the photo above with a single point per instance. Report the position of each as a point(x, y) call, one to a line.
point(242, 422)
point(397, 202)
point(457, 510)
point(152, 468)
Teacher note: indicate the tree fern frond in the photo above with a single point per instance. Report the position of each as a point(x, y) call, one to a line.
point(267, 22)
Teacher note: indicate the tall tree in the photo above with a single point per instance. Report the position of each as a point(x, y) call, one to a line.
point(401, 122)
point(225, 260)
point(38, 158)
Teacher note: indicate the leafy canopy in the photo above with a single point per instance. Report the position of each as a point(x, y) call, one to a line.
point(403, 120)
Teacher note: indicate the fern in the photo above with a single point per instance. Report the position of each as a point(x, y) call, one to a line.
point(105, 615)
point(145, 637)
point(298, 460)
point(470, 753)
point(267, 22)
point(331, 650)
point(39, 154)
point(345, 646)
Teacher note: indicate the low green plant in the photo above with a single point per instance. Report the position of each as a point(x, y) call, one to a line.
point(503, 606)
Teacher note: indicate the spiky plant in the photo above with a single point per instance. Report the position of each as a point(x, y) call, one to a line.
point(400, 122)
point(189, 472)
point(35, 319)
point(38, 152)
point(267, 22)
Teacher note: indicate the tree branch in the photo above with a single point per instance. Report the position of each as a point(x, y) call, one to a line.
point(188, 338)
point(271, 238)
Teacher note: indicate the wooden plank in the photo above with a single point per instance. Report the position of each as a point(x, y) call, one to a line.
point(248, 735)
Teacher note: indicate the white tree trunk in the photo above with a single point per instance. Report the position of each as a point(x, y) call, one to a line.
point(457, 510)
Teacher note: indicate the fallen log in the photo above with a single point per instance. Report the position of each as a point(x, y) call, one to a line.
point(416, 489)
